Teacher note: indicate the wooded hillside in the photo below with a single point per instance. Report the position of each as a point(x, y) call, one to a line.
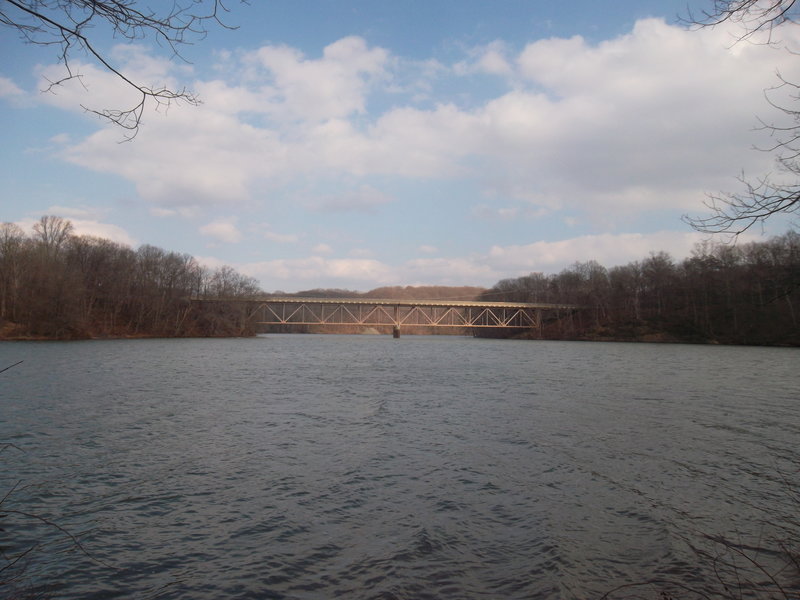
point(742, 294)
point(54, 284)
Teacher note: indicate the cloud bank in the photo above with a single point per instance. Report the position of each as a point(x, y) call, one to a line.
point(633, 129)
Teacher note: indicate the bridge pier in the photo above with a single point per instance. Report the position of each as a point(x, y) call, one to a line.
point(396, 331)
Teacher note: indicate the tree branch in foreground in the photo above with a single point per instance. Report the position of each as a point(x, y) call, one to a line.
point(71, 25)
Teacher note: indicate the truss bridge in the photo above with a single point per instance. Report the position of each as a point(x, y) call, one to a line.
point(397, 314)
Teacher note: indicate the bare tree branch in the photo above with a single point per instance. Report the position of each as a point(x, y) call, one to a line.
point(755, 16)
point(58, 527)
point(10, 367)
point(72, 25)
point(735, 213)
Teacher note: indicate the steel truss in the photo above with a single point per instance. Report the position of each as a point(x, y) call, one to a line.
point(397, 314)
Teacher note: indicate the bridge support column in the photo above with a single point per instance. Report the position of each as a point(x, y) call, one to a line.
point(396, 331)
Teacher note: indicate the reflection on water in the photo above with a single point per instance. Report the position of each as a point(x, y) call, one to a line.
point(365, 467)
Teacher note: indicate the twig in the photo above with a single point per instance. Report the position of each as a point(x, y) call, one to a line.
point(665, 582)
point(11, 366)
point(65, 532)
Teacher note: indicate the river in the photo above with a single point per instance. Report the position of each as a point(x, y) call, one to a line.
point(322, 466)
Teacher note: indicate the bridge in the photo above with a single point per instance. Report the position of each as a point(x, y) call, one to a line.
point(397, 314)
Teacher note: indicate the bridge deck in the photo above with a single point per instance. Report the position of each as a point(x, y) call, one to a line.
point(409, 303)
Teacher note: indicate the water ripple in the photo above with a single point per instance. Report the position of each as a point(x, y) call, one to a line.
point(306, 467)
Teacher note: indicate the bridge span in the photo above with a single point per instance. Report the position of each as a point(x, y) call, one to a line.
point(397, 314)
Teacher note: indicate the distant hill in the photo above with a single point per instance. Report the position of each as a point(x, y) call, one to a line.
point(426, 292)
point(398, 292)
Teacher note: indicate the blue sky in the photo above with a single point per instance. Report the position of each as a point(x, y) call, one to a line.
point(359, 144)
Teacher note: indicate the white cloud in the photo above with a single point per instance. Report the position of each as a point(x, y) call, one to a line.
point(212, 262)
point(9, 89)
point(266, 231)
point(186, 212)
point(644, 121)
point(447, 271)
point(107, 231)
point(222, 230)
point(317, 271)
point(502, 213)
point(491, 59)
point(163, 212)
point(361, 253)
point(281, 238)
point(322, 249)
point(365, 198)
point(333, 86)
point(76, 212)
point(194, 157)
point(418, 143)
point(607, 249)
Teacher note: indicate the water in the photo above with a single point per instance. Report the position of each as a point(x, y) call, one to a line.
point(291, 466)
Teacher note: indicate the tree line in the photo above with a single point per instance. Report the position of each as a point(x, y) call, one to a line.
point(58, 285)
point(733, 294)
point(55, 284)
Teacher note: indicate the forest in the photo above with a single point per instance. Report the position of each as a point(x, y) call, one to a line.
point(57, 285)
point(723, 293)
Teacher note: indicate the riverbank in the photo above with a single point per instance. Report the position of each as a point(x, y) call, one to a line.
point(599, 336)
point(13, 336)
point(582, 327)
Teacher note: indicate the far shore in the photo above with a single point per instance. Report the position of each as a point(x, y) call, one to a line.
point(648, 338)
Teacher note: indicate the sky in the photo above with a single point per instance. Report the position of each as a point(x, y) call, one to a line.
point(357, 144)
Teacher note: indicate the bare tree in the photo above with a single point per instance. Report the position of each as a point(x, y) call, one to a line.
point(734, 213)
point(12, 241)
point(74, 26)
point(53, 232)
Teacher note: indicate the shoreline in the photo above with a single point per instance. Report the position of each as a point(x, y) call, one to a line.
point(651, 338)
